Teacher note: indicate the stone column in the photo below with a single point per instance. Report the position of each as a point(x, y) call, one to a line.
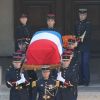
point(0, 75)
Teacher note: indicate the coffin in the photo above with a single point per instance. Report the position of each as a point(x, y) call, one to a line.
point(45, 48)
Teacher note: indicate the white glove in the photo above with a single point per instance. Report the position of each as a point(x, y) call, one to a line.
point(82, 38)
point(22, 80)
point(9, 83)
point(60, 78)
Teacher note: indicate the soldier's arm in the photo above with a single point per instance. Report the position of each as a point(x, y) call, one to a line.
point(74, 75)
point(88, 31)
point(68, 76)
point(18, 32)
point(7, 79)
point(26, 75)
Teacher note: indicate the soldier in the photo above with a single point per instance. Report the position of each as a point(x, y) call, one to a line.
point(24, 33)
point(68, 75)
point(51, 21)
point(83, 31)
point(23, 30)
point(16, 80)
point(45, 87)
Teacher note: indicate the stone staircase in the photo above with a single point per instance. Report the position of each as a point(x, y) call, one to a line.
point(91, 92)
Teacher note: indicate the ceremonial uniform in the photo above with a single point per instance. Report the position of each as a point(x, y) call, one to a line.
point(23, 34)
point(84, 47)
point(46, 89)
point(67, 92)
point(18, 83)
point(23, 31)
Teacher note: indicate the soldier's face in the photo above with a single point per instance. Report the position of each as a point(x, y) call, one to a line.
point(82, 16)
point(21, 46)
point(17, 65)
point(46, 74)
point(65, 63)
point(23, 20)
point(51, 22)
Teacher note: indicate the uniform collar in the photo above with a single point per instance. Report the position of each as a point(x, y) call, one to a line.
point(83, 21)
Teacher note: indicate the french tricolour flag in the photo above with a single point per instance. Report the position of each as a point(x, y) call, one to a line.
point(45, 48)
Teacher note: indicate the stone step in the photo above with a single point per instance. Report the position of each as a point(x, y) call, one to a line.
point(4, 96)
point(4, 92)
point(89, 96)
point(91, 92)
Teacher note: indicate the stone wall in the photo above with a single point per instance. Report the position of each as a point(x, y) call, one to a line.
point(6, 27)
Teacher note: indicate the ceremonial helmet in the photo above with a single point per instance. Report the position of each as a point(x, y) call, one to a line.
point(82, 10)
point(65, 55)
point(45, 68)
point(51, 16)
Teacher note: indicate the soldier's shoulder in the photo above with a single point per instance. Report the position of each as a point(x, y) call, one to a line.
point(53, 79)
point(18, 27)
point(29, 26)
point(9, 68)
point(39, 80)
point(88, 22)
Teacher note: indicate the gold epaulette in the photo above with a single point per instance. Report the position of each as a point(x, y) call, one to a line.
point(57, 84)
point(34, 84)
